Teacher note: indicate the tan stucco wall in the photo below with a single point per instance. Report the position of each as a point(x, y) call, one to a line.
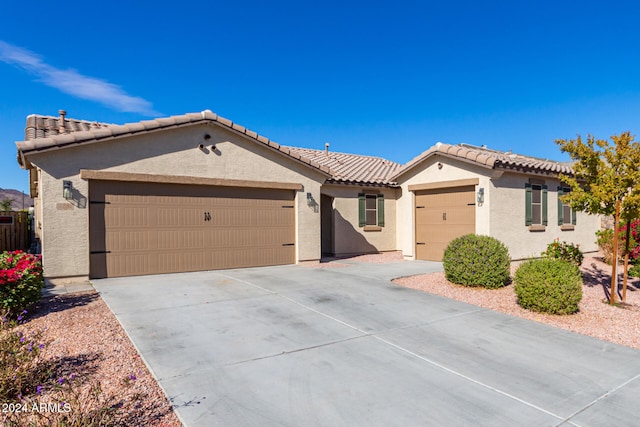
point(37, 206)
point(508, 219)
point(428, 172)
point(170, 152)
point(348, 237)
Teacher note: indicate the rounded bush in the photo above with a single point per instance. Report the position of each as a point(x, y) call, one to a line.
point(549, 285)
point(473, 260)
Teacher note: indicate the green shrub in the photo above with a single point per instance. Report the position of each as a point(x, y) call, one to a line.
point(634, 270)
point(21, 281)
point(564, 251)
point(549, 285)
point(473, 260)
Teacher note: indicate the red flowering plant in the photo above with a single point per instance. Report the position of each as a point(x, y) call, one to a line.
point(21, 281)
point(564, 251)
point(634, 247)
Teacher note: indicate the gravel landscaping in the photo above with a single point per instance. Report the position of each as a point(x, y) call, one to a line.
point(595, 318)
point(85, 341)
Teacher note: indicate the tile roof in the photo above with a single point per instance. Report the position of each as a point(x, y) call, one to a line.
point(43, 133)
point(491, 159)
point(353, 168)
point(47, 126)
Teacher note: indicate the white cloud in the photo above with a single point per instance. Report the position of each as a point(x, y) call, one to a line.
point(73, 83)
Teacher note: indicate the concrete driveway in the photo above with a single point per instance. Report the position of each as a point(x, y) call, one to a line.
point(298, 346)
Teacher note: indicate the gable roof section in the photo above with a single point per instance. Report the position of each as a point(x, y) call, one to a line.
point(352, 168)
point(490, 159)
point(44, 133)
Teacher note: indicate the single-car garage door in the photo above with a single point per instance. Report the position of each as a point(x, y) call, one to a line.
point(442, 215)
point(149, 228)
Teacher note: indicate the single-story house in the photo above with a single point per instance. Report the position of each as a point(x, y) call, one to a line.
point(199, 192)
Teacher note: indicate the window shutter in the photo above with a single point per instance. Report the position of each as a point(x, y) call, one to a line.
point(573, 217)
point(381, 210)
point(544, 205)
point(560, 209)
point(362, 217)
point(528, 216)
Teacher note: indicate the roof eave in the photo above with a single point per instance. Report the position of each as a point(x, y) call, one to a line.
point(26, 148)
point(506, 167)
point(349, 182)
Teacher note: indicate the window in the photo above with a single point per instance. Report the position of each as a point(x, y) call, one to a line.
point(535, 203)
point(566, 215)
point(371, 210)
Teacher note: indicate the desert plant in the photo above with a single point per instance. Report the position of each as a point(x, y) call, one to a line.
point(549, 285)
point(21, 281)
point(66, 401)
point(473, 260)
point(37, 392)
point(20, 370)
point(564, 251)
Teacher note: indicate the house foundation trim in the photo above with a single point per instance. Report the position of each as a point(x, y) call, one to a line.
point(190, 180)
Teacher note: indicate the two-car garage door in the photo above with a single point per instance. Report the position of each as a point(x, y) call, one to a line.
point(149, 228)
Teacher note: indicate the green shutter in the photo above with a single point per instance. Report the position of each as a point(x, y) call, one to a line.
point(544, 205)
point(362, 217)
point(381, 210)
point(528, 216)
point(573, 217)
point(560, 210)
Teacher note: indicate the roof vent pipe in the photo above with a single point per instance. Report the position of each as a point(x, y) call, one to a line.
point(326, 148)
point(61, 128)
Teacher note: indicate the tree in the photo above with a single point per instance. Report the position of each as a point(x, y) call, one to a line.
point(605, 180)
point(5, 204)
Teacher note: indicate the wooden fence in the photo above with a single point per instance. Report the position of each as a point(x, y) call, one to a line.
point(15, 231)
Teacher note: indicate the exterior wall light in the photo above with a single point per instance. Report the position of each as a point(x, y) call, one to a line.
point(309, 199)
point(66, 190)
point(480, 196)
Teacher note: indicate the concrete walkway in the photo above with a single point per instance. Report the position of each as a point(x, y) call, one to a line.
point(298, 346)
point(65, 286)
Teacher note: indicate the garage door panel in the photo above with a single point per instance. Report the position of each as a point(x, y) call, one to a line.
point(178, 239)
point(441, 216)
point(128, 264)
point(176, 216)
point(460, 215)
point(141, 228)
point(121, 217)
point(128, 240)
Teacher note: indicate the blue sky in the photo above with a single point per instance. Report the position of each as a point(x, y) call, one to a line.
point(379, 78)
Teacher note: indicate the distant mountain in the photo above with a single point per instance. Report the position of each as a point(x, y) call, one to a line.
point(19, 200)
